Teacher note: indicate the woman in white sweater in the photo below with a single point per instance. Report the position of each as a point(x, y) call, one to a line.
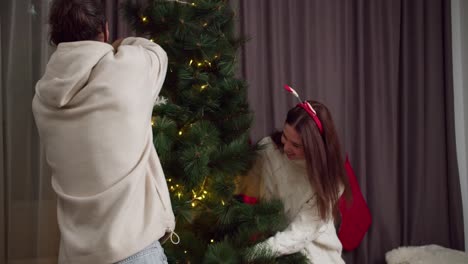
point(303, 166)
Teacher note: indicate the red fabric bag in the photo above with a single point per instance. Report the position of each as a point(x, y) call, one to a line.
point(355, 215)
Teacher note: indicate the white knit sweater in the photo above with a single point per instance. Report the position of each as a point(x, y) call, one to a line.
point(93, 110)
point(275, 176)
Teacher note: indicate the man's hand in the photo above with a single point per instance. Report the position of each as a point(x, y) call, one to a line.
point(116, 44)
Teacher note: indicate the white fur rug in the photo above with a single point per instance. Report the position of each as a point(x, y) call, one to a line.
point(431, 254)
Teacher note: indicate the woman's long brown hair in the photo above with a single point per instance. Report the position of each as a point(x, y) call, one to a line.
point(325, 166)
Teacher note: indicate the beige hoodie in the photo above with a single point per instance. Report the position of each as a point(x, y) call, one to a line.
point(93, 110)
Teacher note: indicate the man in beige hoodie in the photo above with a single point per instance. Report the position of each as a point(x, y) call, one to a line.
point(93, 110)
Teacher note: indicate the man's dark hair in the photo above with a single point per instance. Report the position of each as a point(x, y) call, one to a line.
point(75, 20)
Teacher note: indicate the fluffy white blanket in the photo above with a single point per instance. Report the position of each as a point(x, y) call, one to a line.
point(430, 254)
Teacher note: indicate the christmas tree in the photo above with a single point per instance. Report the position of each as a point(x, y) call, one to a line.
point(200, 128)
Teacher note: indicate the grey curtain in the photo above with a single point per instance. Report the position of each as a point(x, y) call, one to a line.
point(29, 232)
point(460, 82)
point(384, 69)
point(118, 26)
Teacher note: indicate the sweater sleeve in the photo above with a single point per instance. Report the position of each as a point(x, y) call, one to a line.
point(157, 59)
point(304, 228)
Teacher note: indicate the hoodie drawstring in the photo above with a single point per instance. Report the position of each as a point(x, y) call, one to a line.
point(171, 236)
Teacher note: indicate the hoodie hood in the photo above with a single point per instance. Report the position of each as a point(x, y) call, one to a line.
point(68, 71)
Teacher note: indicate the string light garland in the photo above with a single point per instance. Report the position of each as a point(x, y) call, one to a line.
point(201, 64)
point(181, 2)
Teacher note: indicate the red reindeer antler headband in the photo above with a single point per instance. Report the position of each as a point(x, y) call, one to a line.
point(307, 107)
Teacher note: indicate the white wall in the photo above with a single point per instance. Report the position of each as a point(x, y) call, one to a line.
point(460, 74)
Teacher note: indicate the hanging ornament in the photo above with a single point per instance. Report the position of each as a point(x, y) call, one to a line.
point(161, 100)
